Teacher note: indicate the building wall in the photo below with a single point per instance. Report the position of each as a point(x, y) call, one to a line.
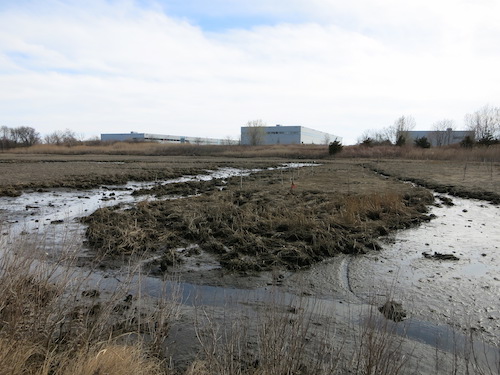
point(439, 138)
point(272, 135)
point(162, 138)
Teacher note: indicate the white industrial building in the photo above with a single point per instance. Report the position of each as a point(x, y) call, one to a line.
point(272, 135)
point(162, 138)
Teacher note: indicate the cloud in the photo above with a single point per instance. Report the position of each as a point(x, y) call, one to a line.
point(341, 67)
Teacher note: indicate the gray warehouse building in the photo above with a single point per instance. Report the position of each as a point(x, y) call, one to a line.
point(161, 138)
point(439, 137)
point(286, 135)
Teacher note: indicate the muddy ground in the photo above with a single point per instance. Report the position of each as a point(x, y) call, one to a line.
point(21, 172)
point(262, 223)
point(477, 180)
point(217, 232)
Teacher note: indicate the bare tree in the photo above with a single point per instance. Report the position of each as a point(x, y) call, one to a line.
point(66, 137)
point(485, 122)
point(25, 135)
point(398, 132)
point(229, 141)
point(441, 132)
point(256, 132)
point(5, 141)
point(374, 137)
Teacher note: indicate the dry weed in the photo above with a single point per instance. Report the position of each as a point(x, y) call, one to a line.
point(52, 323)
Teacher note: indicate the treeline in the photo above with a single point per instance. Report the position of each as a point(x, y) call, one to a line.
point(484, 125)
point(26, 136)
point(22, 136)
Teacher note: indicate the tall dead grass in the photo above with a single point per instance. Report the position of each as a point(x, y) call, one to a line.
point(51, 323)
point(280, 338)
point(453, 152)
point(157, 149)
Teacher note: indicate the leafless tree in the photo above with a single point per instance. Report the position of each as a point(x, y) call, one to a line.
point(4, 137)
point(441, 132)
point(256, 132)
point(485, 122)
point(399, 130)
point(25, 135)
point(66, 137)
point(375, 137)
point(228, 141)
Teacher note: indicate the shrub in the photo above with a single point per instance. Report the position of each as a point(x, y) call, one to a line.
point(422, 142)
point(335, 147)
point(487, 140)
point(467, 142)
point(401, 140)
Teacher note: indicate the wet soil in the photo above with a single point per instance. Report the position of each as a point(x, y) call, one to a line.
point(473, 180)
point(461, 289)
point(262, 225)
point(339, 199)
point(28, 172)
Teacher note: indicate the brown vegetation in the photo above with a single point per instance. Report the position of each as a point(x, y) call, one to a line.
point(467, 179)
point(265, 224)
point(50, 324)
point(22, 172)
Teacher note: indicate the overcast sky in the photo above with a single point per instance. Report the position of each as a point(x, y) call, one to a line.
point(207, 67)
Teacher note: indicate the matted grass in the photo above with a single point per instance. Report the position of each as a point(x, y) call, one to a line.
point(467, 179)
point(263, 222)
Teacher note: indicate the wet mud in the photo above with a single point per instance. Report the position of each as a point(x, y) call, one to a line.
point(460, 287)
point(343, 238)
point(471, 180)
point(258, 228)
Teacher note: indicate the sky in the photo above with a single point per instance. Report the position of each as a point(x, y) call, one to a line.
point(205, 68)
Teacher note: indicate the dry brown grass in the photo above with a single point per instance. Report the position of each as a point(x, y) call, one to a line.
point(50, 323)
point(157, 149)
point(468, 179)
point(112, 359)
point(453, 152)
point(278, 337)
point(266, 224)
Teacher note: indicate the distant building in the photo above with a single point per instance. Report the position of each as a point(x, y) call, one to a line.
point(439, 137)
point(285, 135)
point(161, 138)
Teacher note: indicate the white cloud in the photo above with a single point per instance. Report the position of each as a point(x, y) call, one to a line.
point(349, 66)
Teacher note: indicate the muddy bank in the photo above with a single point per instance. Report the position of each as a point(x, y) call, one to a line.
point(339, 194)
point(458, 287)
point(472, 180)
point(42, 172)
point(262, 225)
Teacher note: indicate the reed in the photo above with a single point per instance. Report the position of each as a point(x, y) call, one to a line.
point(55, 320)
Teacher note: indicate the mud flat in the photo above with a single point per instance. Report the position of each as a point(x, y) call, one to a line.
point(323, 245)
point(461, 289)
point(21, 172)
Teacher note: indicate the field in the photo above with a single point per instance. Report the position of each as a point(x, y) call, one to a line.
point(256, 229)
